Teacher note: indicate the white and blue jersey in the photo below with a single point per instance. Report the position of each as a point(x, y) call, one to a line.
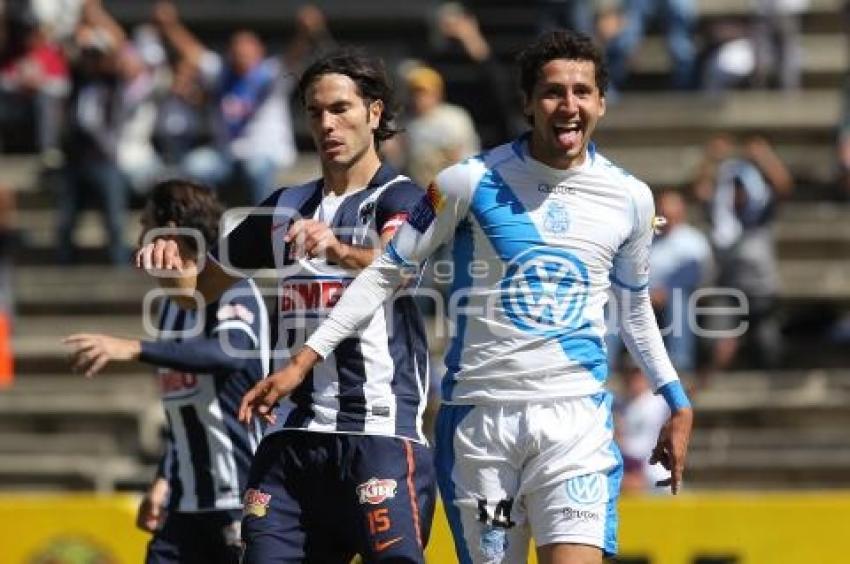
point(375, 381)
point(535, 251)
point(208, 359)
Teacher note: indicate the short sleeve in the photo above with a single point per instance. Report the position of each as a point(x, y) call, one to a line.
point(434, 218)
point(249, 245)
point(395, 204)
point(631, 263)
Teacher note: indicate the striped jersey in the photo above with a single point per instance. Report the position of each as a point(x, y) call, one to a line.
point(535, 251)
point(208, 451)
point(374, 382)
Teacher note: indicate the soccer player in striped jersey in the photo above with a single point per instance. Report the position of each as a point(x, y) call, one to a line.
point(206, 360)
point(541, 228)
point(344, 468)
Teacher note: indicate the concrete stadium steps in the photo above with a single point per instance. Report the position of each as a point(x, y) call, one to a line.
point(74, 472)
point(123, 410)
point(772, 429)
point(778, 115)
point(80, 290)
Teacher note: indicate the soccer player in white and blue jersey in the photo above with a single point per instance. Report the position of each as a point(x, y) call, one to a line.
point(540, 229)
point(344, 468)
point(206, 360)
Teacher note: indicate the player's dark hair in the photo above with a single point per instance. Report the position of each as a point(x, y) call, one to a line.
point(370, 76)
point(560, 44)
point(188, 205)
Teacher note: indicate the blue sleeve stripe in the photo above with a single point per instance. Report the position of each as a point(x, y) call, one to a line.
point(396, 257)
point(616, 281)
point(675, 396)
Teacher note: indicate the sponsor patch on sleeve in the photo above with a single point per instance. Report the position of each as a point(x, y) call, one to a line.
point(394, 222)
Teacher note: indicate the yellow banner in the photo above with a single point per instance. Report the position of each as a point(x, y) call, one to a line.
point(744, 528)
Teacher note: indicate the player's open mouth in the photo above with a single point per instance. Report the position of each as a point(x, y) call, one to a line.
point(568, 135)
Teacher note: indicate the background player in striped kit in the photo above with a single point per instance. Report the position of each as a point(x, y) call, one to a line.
point(206, 358)
point(540, 229)
point(344, 468)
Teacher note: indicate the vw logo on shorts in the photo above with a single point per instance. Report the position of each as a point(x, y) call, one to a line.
point(545, 290)
point(587, 489)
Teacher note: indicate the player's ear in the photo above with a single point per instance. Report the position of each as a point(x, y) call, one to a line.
point(375, 109)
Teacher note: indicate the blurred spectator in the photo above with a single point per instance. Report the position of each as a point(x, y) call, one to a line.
point(777, 42)
point(91, 140)
point(730, 59)
point(639, 416)
point(184, 120)
point(760, 50)
point(741, 187)
point(58, 18)
point(438, 134)
point(676, 17)
point(139, 91)
point(251, 93)
point(34, 81)
point(474, 78)
point(678, 264)
point(578, 15)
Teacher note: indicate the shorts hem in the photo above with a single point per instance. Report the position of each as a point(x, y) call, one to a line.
point(561, 538)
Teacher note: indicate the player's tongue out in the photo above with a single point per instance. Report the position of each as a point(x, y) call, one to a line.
point(568, 136)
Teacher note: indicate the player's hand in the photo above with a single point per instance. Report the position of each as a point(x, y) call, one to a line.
point(160, 254)
point(165, 13)
point(90, 353)
point(314, 239)
point(672, 447)
point(310, 20)
point(152, 512)
point(264, 395)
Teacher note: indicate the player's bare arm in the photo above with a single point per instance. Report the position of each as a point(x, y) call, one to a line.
point(265, 394)
point(90, 353)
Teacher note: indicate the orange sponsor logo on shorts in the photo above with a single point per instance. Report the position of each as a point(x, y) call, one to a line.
point(256, 503)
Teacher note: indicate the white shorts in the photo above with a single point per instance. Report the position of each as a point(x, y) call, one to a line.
point(507, 472)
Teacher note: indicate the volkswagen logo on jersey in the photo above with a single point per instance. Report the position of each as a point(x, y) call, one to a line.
point(586, 490)
point(545, 290)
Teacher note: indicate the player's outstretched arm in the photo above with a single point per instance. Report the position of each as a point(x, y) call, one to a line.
point(90, 353)
point(672, 447)
point(265, 394)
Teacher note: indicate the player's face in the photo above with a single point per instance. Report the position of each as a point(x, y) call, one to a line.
point(565, 106)
point(341, 121)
